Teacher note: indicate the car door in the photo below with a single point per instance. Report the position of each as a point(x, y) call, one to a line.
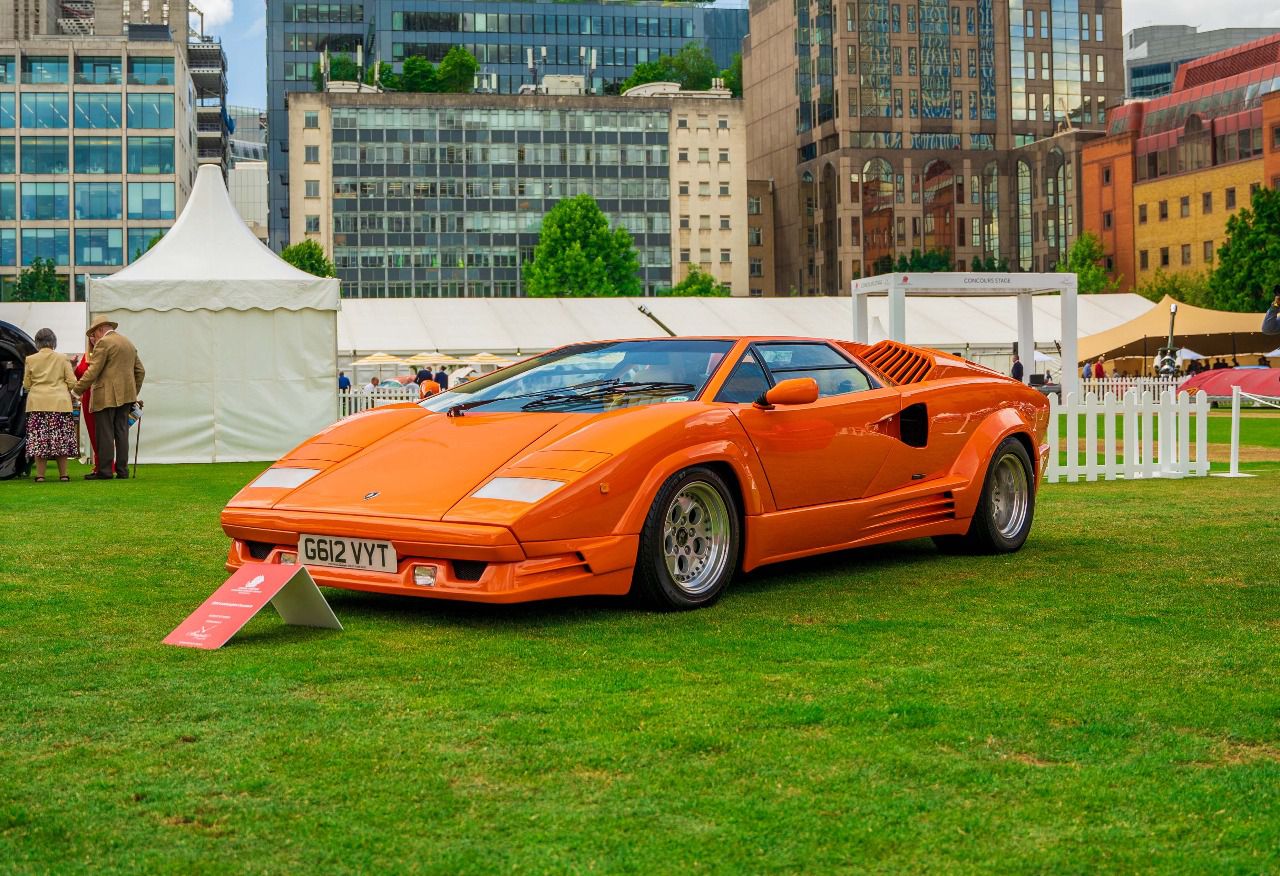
point(827, 451)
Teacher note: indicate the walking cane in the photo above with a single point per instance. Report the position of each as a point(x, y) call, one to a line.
point(137, 444)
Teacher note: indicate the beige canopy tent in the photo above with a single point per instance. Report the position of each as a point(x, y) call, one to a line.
point(1208, 332)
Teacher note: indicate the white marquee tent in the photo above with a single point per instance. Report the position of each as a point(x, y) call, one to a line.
point(239, 346)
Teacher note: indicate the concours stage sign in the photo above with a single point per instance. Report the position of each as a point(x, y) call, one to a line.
point(289, 588)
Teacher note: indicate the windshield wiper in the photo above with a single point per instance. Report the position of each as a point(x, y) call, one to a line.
point(596, 393)
point(458, 409)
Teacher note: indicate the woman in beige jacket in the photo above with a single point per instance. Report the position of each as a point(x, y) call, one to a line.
point(51, 427)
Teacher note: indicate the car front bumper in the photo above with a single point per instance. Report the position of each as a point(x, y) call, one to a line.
point(472, 562)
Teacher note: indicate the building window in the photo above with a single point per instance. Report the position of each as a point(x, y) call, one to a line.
point(684, 255)
point(95, 155)
point(313, 188)
point(313, 224)
point(682, 121)
point(1106, 220)
point(44, 155)
point(98, 71)
point(148, 110)
point(1142, 214)
point(1164, 256)
point(684, 187)
point(1208, 252)
point(755, 236)
point(45, 200)
point(102, 110)
point(1186, 253)
point(1164, 210)
point(151, 71)
point(1184, 206)
point(99, 200)
point(1142, 260)
point(38, 70)
point(704, 189)
point(49, 109)
point(724, 190)
point(1275, 138)
point(150, 200)
point(682, 155)
point(1106, 176)
point(1231, 199)
point(311, 119)
point(723, 123)
point(311, 154)
point(757, 267)
point(99, 246)
point(150, 155)
point(704, 222)
point(724, 223)
point(753, 206)
point(724, 156)
point(704, 156)
point(1253, 187)
point(684, 221)
point(704, 256)
point(726, 256)
point(46, 243)
point(1206, 202)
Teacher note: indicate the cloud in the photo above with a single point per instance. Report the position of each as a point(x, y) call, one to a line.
point(1205, 16)
point(216, 12)
point(257, 28)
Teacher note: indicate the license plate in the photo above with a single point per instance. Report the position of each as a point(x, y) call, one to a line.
point(347, 553)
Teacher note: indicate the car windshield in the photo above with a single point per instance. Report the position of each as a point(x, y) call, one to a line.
point(591, 378)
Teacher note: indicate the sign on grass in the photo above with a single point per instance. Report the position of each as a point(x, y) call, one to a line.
point(289, 588)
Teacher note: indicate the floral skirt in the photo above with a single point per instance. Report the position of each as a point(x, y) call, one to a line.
point(51, 434)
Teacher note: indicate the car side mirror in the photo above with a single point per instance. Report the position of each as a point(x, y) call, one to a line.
point(796, 391)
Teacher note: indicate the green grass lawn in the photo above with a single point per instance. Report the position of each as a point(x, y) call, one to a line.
point(1105, 700)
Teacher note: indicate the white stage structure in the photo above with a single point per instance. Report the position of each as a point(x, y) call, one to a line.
point(240, 347)
point(984, 285)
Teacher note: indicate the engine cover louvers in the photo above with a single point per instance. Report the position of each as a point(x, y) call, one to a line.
point(898, 362)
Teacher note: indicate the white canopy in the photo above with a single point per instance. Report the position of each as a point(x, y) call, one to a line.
point(239, 346)
point(1186, 354)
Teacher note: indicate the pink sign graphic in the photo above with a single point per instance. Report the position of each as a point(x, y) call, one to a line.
point(289, 588)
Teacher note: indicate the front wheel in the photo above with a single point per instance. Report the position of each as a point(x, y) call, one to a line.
point(1002, 520)
point(689, 543)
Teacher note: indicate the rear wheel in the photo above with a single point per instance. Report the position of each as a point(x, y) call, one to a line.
point(689, 543)
point(1003, 517)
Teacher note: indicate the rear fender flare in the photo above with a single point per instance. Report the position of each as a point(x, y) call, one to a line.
point(746, 468)
point(973, 460)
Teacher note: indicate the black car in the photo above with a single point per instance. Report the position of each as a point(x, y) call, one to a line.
point(15, 346)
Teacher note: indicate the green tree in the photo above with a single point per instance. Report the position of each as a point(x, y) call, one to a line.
point(457, 73)
point(578, 256)
point(732, 75)
point(995, 263)
point(383, 74)
point(698, 283)
point(649, 71)
point(1189, 286)
point(309, 256)
point(342, 68)
point(418, 75)
point(1084, 259)
point(40, 282)
point(1249, 259)
point(692, 67)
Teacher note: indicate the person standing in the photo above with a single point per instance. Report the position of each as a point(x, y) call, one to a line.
point(344, 382)
point(1016, 371)
point(115, 374)
point(51, 427)
point(1271, 322)
point(442, 378)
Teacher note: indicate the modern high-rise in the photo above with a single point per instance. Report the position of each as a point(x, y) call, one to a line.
point(615, 37)
point(890, 127)
point(1152, 55)
point(99, 140)
point(443, 195)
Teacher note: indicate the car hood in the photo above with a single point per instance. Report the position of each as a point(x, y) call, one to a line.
point(421, 469)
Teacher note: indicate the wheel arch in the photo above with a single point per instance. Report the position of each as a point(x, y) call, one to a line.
point(724, 458)
point(975, 458)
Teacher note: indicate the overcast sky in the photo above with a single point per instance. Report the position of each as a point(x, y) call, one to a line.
point(1206, 16)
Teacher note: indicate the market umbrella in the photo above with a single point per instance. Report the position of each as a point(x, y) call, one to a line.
point(433, 359)
point(379, 359)
point(1044, 357)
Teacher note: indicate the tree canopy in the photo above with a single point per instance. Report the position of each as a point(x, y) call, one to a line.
point(1084, 259)
point(309, 256)
point(698, 283)
point(692, 67)
point(455, 75)
point(1249, 259)
point(577, 256)
point(40, 282)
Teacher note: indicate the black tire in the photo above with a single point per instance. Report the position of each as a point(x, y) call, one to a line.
point(691, 569)
point(1002, 521)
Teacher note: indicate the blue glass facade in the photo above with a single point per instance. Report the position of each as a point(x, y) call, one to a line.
point(497, 33)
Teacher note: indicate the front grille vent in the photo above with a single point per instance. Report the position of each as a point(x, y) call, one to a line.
point(898, 362)
point(469, 570)
point(259, 550)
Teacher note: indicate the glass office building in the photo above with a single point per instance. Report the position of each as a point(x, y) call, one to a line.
point(499, 34)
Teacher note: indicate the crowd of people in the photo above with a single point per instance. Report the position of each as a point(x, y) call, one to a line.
point(103, 383)
point(427, 382)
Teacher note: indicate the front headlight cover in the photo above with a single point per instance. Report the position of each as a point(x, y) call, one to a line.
point(527, 490)
point(285, 478)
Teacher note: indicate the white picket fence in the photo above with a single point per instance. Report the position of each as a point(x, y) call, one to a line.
point(353, 401)
point(1118, 386)
point(1154, 439)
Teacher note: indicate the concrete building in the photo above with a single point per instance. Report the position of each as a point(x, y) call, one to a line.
point(887, 128)
point(499, 34)
point(1152, 55)
point(98, 133)
point(760, 264)
point(442, 195)
point(1159, 189)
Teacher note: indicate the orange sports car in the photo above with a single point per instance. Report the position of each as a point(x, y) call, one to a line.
point(657, 466)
